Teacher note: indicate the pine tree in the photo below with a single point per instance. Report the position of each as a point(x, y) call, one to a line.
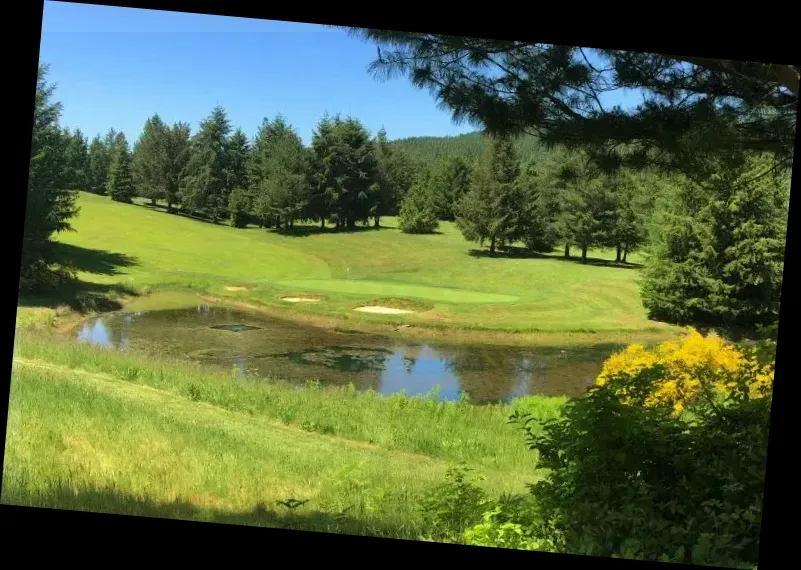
point(346, 175)
point(279, 174)
point(539, 220)
point(418, 212)
point(491, 210)
point(50, 201)
point(395, 177)
point(717, 254)
point(178, 150)
point(77, 157)
point(451, 181)
point(98, 167)
point(204, 187)
point(120, 183)
point(150, 161)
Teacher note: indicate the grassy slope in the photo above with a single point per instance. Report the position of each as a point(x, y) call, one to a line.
point(106, 431)
point(145, 248)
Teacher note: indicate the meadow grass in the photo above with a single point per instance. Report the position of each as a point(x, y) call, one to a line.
point(135, 247)
point(100, 430)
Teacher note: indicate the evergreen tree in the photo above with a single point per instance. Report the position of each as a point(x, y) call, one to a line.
point(178, 150)
point(120, 183)
point(346, 175)
point(418, 212)
point(717, 256)
point(539, 227)
point(636, 192)
point(491, 209)
point(50, 201)
point(238, 159)
point(395, 177)
point(450, 182)
point(98, 166)
point(150, 161)
point(204, 187)
point(77, 157)
point(279, 174)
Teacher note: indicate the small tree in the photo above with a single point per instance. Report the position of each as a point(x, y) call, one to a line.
point(418, 213)
point(120, 184)
point(491, 210)
point(449, 183)
point(98, 165)
point(239, 207)
point(150, 161)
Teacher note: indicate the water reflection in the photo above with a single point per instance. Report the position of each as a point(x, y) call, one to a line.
point(276, 348)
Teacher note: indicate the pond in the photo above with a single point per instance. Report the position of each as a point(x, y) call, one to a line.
point(268, 347)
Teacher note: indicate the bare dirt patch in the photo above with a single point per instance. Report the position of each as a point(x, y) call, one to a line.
point(300, 299)
point(382, 310)
point(231, 288)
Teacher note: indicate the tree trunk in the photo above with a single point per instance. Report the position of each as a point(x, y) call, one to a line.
point(152, 200)
point(351, 223)
point(377, 224)
point(625, 253)
point(169, 206)
point(277, 223)
point(322, 223)
point(291, 223)
point(567, 250)
point(583, 253)
point(492, 246)
point(617, 257)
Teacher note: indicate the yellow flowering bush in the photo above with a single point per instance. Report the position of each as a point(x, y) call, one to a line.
point(676, 373)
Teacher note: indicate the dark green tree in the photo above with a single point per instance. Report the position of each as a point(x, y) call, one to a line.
point(491, 210)
point(238, 161)
point(50, 201)
point(395, 177)
point(418, 212)
point(120, 181)
point(694, 107)
point(178, 151)
point(77, 157)
point(98, 165)
point(345, 171)
point(449, 182)
point(150, 161)
point(279, 174)
point(718, 253)
point(204, 187)
point(539, 222)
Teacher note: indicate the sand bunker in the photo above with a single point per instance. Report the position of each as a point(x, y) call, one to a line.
point(300, 299)
point(236, 288)
point(382, 310)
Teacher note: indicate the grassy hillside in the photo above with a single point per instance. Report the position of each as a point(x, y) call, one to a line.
point(134, 246)
point(113, 432)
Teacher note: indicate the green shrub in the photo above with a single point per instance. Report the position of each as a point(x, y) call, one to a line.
point(418, 213)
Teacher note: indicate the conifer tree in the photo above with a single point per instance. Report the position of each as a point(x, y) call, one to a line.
point(98, 165)
point(204, 188)
point(120, 183)
point(150, 163)
point(77, 158)
point(492, 208)
point(450, 181)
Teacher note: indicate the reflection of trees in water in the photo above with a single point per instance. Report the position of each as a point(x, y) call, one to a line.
point(485, 373)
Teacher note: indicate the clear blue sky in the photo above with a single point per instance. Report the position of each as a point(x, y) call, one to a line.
point(115, 67)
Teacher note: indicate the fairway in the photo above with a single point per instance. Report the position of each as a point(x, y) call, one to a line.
point(147, 249)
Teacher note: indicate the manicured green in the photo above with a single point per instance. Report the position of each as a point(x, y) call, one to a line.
point(147, 249)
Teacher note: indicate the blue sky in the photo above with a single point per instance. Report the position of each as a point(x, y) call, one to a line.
point(115, 67)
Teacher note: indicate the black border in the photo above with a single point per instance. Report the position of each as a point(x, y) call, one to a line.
point(724, 35)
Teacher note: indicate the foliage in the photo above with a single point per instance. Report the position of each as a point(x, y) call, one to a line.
point(50, 199)
point(717, 253)
point(345, 172)
point(418, 214)
point(491, 209)
point(692, 107)
point(453, 506)
point(98, 165)
point(631, 477)
point(539, 223)
point(150, 164)
point(204, 186)
point(178, 152)
point(279, 173)
point(77, 159)
point(395, 177)
point(449, 182)
point(239, 206)
point(120, 183)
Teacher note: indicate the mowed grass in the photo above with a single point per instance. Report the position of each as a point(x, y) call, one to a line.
point(105, 431)
point(147, 249)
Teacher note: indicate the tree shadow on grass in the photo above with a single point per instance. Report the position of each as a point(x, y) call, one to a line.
point(522, 253)
point(308, 230)
point(97, 261)
point(198, 508)
point(80, 296)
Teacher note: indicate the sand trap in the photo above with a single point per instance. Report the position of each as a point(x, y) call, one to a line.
point(300, 299)
point(236, 288)
point(382, 310)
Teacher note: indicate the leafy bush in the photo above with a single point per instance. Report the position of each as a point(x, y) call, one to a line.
point(664, 459)
point(457, 504)
point(418, 213)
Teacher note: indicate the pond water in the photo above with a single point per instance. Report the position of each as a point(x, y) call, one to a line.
point(271, 347)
